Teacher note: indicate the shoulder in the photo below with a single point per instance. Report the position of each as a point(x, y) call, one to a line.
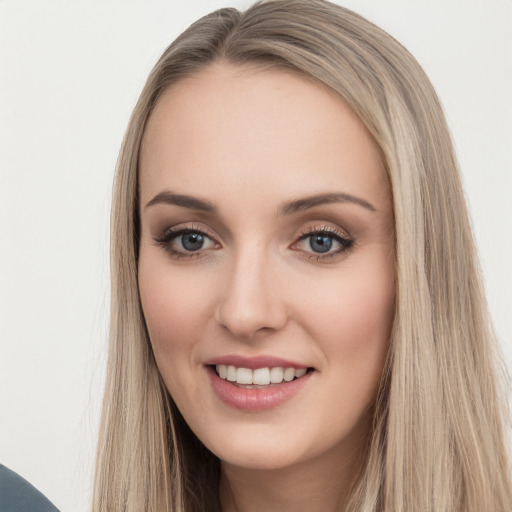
point(17, 495)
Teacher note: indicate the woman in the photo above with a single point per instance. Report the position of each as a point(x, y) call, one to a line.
point(297, 318)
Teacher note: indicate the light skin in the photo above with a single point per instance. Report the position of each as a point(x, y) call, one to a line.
point(229, 155)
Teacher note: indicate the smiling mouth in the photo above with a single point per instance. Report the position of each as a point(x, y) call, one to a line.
point(259, 377)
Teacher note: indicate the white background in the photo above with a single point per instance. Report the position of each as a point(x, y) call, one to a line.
point(70, 73)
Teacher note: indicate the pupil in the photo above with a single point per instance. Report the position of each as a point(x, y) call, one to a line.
point(320, 243)
point(192, 241)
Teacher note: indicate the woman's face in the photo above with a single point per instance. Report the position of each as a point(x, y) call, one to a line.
point(266, 255)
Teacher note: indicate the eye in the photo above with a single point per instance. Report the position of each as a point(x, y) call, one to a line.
point(186, 242)
point(323, 243)
point(192, 240)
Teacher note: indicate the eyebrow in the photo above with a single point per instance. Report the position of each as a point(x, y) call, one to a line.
point(305, 203)
point(193, 203)
point(298, 205)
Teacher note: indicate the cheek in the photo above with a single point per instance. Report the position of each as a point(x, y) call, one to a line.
point(176, 306)
point(353, 322)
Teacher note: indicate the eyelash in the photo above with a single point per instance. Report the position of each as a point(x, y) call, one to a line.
point(173, 233)
point(347, 243)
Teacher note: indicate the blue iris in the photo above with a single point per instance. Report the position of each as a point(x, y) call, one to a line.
point(192, 241)
point(320, 243)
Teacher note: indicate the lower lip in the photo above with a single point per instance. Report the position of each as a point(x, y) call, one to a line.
point(254, 399)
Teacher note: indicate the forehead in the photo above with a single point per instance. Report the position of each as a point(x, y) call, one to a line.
point(231, 127)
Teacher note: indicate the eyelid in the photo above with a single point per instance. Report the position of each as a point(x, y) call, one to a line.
point(323, 228)
point(173, 232)
point(341, 236)
point(183, 227)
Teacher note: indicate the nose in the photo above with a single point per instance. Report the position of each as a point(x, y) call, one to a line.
point(252, 302)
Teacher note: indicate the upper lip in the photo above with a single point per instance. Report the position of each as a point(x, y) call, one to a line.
point(255, 362)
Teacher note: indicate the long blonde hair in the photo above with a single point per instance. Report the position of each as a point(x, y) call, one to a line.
point(437, 442)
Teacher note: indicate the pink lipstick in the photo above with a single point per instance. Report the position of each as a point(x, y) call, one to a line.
point(256, 383)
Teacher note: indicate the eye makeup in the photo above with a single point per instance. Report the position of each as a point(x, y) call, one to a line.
point(325, 241)
point(193, 241)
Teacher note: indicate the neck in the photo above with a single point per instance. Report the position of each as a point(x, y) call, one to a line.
point(322, 483)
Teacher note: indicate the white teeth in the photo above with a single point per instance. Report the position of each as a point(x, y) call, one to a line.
point(276, 375)
point(223, 371)
point(243, 376)
point(289, 374)
point(260, 376)
point(231, 373)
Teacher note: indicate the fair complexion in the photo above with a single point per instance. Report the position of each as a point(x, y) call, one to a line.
point(267, 232)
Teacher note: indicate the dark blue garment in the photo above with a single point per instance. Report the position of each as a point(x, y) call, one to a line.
point(17, 495)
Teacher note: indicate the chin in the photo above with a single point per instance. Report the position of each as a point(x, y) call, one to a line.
point(259, 459)
point(263, 448)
